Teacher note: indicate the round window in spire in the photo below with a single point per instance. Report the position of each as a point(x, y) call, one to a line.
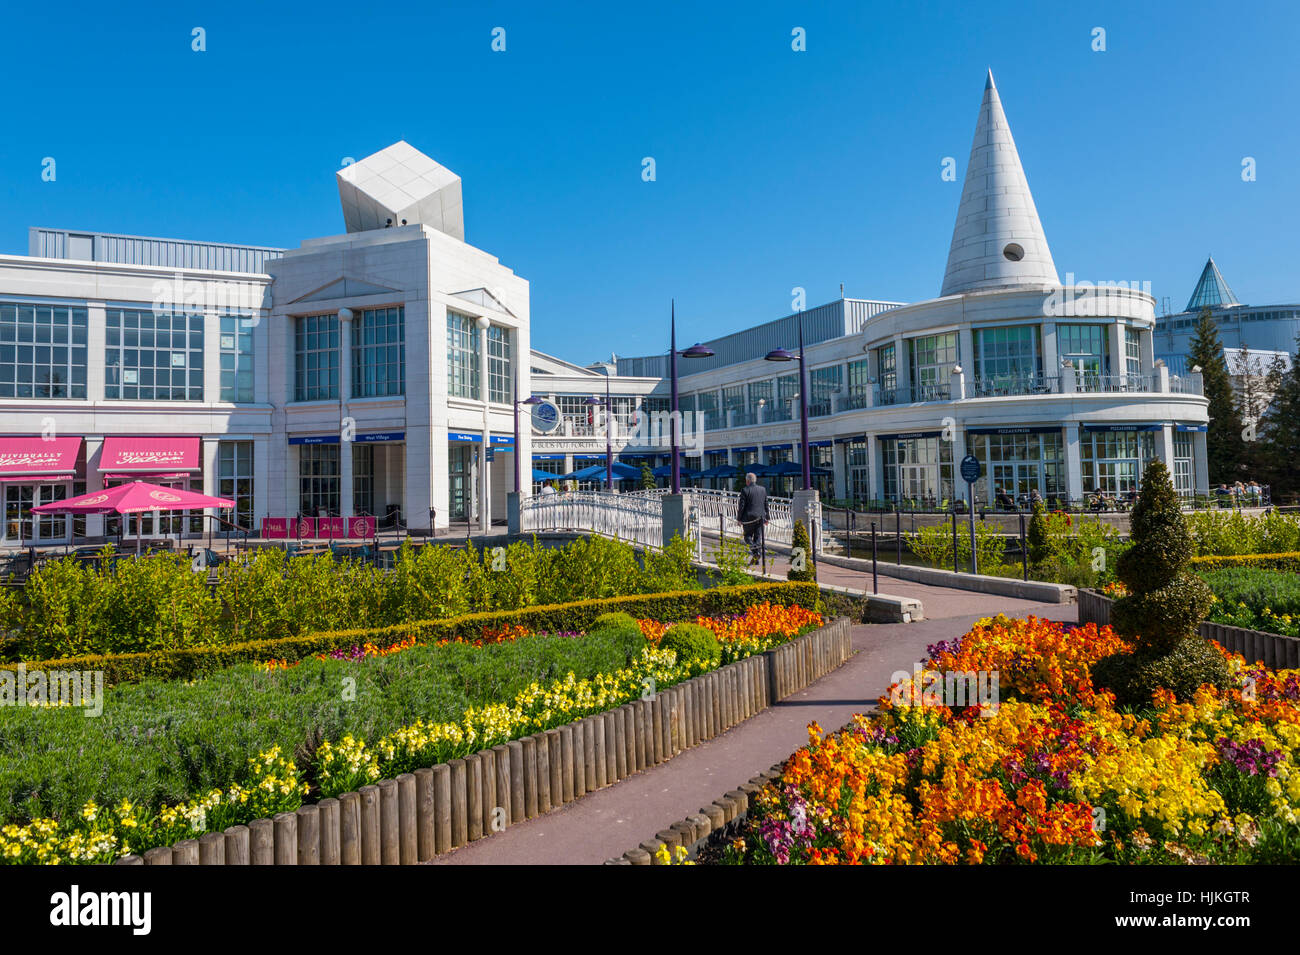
point(1013, 252)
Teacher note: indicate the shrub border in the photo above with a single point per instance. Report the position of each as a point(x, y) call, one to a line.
point(410, 819)
point(1272, 649)
point(191, 662)
point(1288, 561)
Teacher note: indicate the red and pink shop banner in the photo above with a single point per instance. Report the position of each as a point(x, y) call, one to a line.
point(149, 454)
point(326, 528)
point(34, 459)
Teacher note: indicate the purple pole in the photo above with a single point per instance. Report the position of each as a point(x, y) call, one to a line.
point(803, 413)
point(673, 414)
point(609, 447)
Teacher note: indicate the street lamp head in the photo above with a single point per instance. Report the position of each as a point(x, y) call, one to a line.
point(533, 400)
point(482, 322)
point(697, 351)
point(593, 400)
point(780, 354)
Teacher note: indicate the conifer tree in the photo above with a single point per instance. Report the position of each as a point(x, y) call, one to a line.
point(1225, 446)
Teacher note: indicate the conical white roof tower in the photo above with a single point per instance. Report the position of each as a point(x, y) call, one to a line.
point(998, 241)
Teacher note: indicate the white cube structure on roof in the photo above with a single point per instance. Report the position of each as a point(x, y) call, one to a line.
point(400, 186)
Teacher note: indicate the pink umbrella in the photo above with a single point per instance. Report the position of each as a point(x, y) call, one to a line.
point(133, 498)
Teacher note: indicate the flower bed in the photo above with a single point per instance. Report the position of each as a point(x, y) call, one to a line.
point(1056, 775)
point(379, 745)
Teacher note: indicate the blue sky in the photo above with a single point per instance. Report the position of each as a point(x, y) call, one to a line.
point(774, 168)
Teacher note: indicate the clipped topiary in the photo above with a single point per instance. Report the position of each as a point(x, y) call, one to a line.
point(623, 630)
point(692, 643)
point(1165, 604)
point(1039, 537)
point(801, 543)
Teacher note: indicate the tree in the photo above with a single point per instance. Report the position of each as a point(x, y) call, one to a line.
point(1165, 605)
point(1279, 433)
point(647, 478)
point(1225, 446)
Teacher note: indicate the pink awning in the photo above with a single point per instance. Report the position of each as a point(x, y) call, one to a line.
point(149, 454)
point(33, 456)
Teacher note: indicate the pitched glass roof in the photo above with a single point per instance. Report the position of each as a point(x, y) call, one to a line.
point(1211, 290)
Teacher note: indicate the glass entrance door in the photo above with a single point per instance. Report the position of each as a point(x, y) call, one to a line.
point(460, 488)
point(23, 527)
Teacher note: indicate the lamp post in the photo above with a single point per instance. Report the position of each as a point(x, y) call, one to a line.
point(695, 351)
point(534, 400)
point(595, 402)
point(780, 354)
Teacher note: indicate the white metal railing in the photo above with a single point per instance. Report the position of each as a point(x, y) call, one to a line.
point(624, 516)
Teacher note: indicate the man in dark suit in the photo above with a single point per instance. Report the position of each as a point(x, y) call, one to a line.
point(752, 515)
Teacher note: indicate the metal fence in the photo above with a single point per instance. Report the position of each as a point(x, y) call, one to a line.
point(636, 517)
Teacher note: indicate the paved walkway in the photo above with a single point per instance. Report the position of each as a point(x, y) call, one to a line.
point(607, 823)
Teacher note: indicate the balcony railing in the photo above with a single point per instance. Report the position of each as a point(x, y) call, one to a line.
point(914, 395)
point(1005, 386)
point(1123, 383)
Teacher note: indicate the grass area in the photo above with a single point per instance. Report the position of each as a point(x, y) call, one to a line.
point(1257, 599)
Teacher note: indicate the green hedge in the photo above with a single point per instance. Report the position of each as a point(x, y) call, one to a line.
point(191, 662)
point(1289, 562)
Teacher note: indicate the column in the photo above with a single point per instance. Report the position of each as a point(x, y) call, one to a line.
point(346, 426)
point(484, 472)
point(1073, 462)
point(262, 498)
point(840, 468)
point(902, 369)
point(94, 477)
point(1117, 364)
point(209, 460)
point(1200, 463)
point(1165, 448)
point(212, 356)
point(1051, 361)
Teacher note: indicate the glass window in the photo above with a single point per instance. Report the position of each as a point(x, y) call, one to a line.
point(363, 478)
point(153, 356)
point(579, 415)
point(782, 408)
point(319, 480)
point(1085, 346)
point(707, 409)
point(1007, 359)
point(1113, 461)
point(462, 356)
point(316, 358)
point(1183, 463)
point(733, 405)
point(859, 487)
point(887, 366)
point(235, 480)
point(859, 383)
point(379, 352)
point(500, 374)
point(822, 384)
point(1132, 353)
point(236, 348)
point(42, 351)
point(918, 471)
point(932, 358)
point(760, 395)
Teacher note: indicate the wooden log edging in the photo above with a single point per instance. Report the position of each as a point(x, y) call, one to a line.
point(721, 819)
point(417, 816)
point(1272, 649)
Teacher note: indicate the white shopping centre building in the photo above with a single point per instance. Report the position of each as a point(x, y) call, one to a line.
point(374, 372)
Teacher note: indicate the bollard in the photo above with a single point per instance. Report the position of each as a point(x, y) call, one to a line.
point(212, 849)
point(459, 812)
point(474, 797)
point(489, 802)
point(567, 755)
point(530, 776)
point(518, 802)
point(425, 841)
point(502, 755)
